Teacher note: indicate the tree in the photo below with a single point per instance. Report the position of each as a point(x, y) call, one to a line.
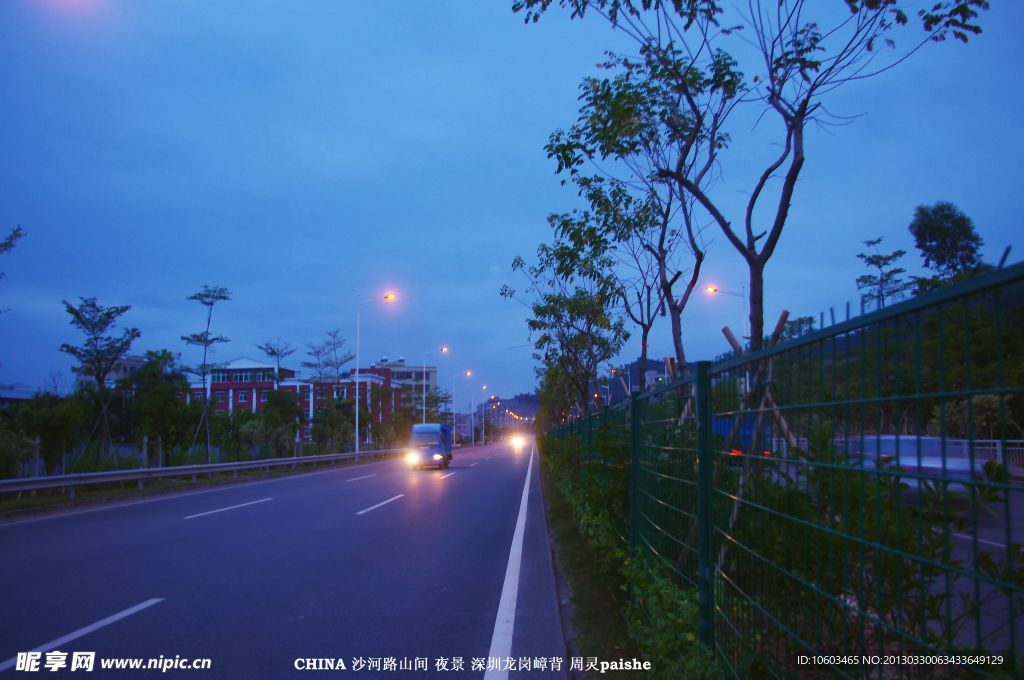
point(337, 355)
point(55, 420)
point(327, 358)
point(946, 239)
point(794, 328)
point(276, 351)
point(333, 424)
point(887, 283)
point(628, 237)
point(798, 53)
point(574, 324)
point(208, 296)
point(438, 405)
point(317, 353)
point(156, 406)
point(100, 351)
point(7, 245)
point(280, 419)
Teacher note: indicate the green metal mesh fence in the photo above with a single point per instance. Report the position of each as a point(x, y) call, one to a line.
point(858, 491)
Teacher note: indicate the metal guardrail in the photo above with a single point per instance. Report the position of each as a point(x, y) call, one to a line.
point(140, 475)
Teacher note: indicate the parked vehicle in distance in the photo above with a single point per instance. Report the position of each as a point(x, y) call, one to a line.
point(430, 444)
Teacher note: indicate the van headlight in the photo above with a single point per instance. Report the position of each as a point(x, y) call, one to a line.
point(438, 456)
point(412, 458)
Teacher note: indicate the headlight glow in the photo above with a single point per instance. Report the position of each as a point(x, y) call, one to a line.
point(412, 458)
point(518, 442)
point(438, 456)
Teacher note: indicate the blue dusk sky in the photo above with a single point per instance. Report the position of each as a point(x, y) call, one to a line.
point(306, 154)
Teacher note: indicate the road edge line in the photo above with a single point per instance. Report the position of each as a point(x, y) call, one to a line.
point(505, 620)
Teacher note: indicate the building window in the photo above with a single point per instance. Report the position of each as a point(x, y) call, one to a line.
point(243, 376)
point(218, 396)
point(320, 393)
point(243, 397)
point(264, 395)
point(221, 377)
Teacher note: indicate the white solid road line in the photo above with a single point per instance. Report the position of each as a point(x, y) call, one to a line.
point(505, 621)
point(476, 463)
point(53, 644)
point(374, 507)
point(356, 479)
point(230, 507)
point(447, 475)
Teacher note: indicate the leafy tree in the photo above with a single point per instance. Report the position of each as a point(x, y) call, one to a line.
point(56, 420)
point(156, 405)
point(10, 448)
point(946, 239)
point(628, 238)
point(794, 328)
point(438, 405)
point(887, 283)
point(574, 323)
point(100, 351)
point(276, 351)
point(237, 434)
point(628, 131)
point(795, 54)
point(333, 423)
point(208, 296)
point(279, 420)
point(7, 245)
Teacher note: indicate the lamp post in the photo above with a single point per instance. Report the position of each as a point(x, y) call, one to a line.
point(443, 349)
point(388, 297)
point(483, 419)
point(712, 289)
point(472, 434)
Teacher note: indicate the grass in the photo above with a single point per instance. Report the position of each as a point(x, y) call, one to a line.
point(597, 626)
point(17, 505)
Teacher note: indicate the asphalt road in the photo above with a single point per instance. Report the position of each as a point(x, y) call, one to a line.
point(372, 561)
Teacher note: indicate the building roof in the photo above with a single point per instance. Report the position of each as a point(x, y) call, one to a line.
point(16, 392)
point(245, 363)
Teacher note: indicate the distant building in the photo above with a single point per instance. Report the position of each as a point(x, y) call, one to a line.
point(245, 385)
point(15, 393)
point(410, 376)
point(626, 380)
point(122, 368)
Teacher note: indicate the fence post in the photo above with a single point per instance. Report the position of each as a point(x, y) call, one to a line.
point(635, 441)
point(705, 519)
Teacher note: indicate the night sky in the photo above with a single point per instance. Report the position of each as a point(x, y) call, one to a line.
point(307, 154)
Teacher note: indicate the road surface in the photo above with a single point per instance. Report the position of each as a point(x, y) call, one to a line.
point(370, 563)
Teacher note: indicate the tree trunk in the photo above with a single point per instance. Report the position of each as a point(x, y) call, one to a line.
point(642, 373)
point(756, 305)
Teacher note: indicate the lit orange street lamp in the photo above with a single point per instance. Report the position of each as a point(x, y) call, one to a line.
point(390, 296)
point(443, 349)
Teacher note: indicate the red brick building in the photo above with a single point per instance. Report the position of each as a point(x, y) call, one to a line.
point(245, 385)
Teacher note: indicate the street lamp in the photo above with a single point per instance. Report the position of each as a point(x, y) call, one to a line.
point(388, 297)
point(472, 435)
point(483, 418)
point(712, 289)
point(443, 349)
